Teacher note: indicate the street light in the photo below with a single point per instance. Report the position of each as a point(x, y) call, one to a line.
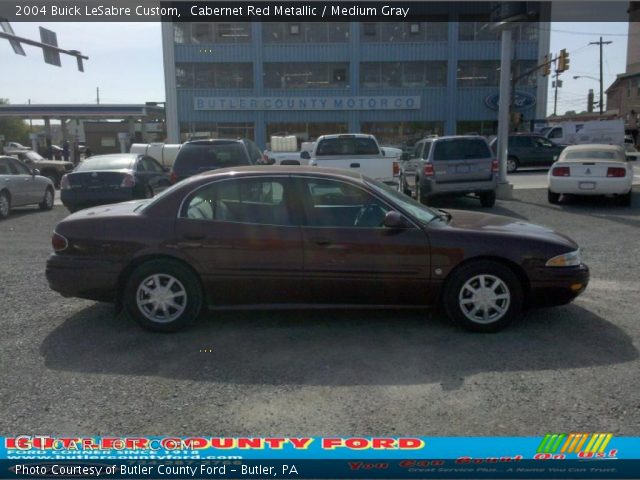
point(575, 77)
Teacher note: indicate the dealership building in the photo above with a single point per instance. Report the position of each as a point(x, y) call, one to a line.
point(396, 80)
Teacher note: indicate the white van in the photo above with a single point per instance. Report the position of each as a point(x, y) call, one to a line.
point(609, 132)
point(164, 153)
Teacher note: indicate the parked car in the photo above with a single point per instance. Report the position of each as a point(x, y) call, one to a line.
point(52, 169)
point(529, 150)
point(20, 185)
point(302, 235)
point(591, 170)
point(12, 146)
point(454, 165)
point(112, 178)
point(589, 132)
point(164, 153)
point(355, 151)
point(199, 156)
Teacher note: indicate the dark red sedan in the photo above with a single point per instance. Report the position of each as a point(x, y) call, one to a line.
point(303, 235)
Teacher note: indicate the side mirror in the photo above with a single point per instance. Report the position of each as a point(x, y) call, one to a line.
point(35, 172)
point(394, 220)
point(304, 155)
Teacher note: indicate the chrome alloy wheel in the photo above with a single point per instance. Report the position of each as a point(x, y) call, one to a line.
point(161, 298)
point(484, 299)
point(512, 166)
point(4, 206)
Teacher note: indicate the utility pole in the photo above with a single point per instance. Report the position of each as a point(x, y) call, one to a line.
point(556, 84)
point(98, 95)
point(601, 43)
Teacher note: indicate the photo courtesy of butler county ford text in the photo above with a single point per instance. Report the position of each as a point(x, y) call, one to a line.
point(358, 239)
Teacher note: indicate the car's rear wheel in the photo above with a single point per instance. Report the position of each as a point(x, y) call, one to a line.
point(512, 164)
point(625, 200)
point(487, 199)
point(483, 296)
point(163, 296)
point(5, 205)
point(552, 197)
point(47, 201)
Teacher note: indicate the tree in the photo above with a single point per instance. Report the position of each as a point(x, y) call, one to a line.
point(14, 129)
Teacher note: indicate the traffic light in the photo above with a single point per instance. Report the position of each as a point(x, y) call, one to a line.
point(546, 65)
point(563, 61)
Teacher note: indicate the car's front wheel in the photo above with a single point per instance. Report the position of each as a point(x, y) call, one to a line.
point(47, 201)
point(512, 164)
point(5, 205)
point(483, 296)
point(163, 295)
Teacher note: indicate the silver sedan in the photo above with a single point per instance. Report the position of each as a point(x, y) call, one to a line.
point(21, 186)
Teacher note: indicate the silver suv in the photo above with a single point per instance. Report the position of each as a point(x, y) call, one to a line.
point(455, 165)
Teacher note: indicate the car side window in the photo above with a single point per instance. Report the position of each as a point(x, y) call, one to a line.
point(4, 167)
point(254, 152)
point(151, 165)
point(258, 201)
point(542, 142)
point(19, 168)
point(427, 149)
point(555, 133)
point(331, 203)
point(417, 150)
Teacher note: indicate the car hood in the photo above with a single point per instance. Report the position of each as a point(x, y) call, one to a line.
point(498, 224)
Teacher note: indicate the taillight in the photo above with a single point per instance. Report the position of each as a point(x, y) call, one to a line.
point(396, 169)
point(495, 167)
point(561, 172)
point(64, 183)
point(173, 178)
point(616, 172)
point(428, 170)
point(58, 242)
point(128, 181)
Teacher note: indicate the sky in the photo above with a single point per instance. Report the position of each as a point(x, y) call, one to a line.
point(125, 62)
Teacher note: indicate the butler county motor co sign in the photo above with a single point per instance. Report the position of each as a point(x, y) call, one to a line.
point(306, 103)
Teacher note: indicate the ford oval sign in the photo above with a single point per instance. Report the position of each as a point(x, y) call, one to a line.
point(521, 101)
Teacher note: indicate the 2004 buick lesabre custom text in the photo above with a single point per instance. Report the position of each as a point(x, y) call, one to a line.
point(302, 235)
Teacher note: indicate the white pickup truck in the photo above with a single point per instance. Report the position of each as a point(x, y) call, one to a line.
point(355, 151)
point(164, 153)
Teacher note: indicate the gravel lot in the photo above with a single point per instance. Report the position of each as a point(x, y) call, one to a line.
point(70, 366)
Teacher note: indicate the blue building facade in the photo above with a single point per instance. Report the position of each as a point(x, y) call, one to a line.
point(396, 80)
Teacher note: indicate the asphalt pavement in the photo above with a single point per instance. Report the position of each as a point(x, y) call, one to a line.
point(72, 366)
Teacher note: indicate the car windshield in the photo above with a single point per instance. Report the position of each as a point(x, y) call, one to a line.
point(461, 149)
point(347, 146)
point(115, 162)
point(420, 212)
point(592, 155)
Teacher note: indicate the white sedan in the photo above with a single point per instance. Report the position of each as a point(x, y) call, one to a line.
point(591, 170)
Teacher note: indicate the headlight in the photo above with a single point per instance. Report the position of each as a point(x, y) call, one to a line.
point(571, 259)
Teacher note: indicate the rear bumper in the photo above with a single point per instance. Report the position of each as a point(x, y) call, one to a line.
point(557, 285)
point(73, 276)
point(432, 187)
point(84, 199)
point(590, 186)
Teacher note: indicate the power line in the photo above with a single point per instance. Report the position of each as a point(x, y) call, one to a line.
point(591, 33)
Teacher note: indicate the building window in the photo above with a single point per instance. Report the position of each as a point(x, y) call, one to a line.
point(393, 32)
point(484, 127)
point(197, 33)
point(181, 32)
point(402, 133)
point(305, 32)
point(239, 32)
point(478, 73)
point(403, 74)
point(476, 28)
point(522, 66)
point(306, 75)
point(214, 75)
point(195, 130)
point(305, 131)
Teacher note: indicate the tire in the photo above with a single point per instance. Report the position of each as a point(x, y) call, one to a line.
point(553, 198)
point(47, 201)
point(487, 199)
point(423, 200)
point(185, 292)
point(625, 200)
point(502, 289)
point(512, 164)
point(5, 205)
point(404, 188)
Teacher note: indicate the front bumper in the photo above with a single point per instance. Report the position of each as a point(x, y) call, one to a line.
point(557, 285)
point(74, 276)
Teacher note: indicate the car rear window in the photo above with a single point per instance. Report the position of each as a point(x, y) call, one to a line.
point(592, 155)
point(461, 149)
point(105, 163)
point(347, 146)
point(200, 158)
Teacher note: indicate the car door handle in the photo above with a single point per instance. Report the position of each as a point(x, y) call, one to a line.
point(355, 165)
